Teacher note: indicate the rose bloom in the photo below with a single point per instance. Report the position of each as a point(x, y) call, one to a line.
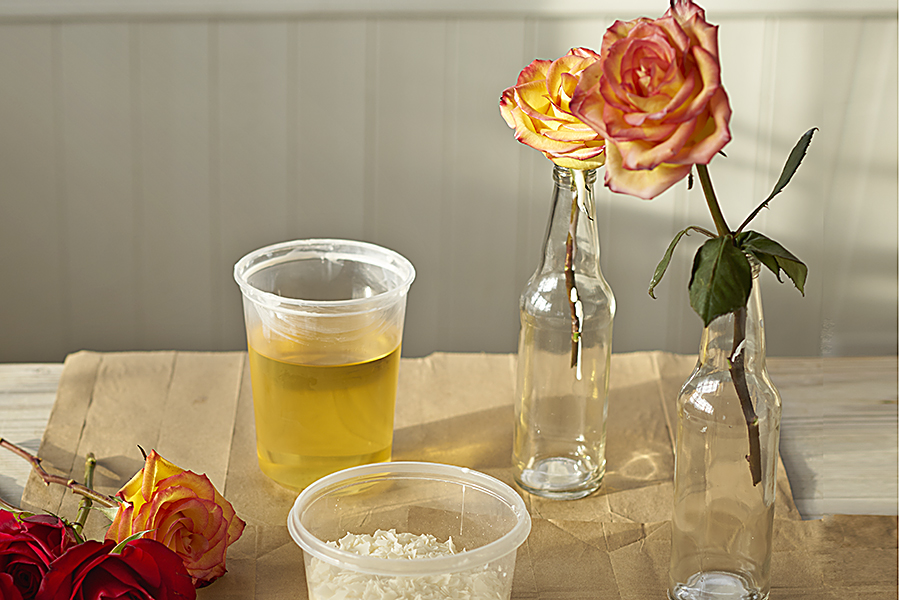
point(537, 107)
point(656, 96)
point(27, 547)
point(182, 510)
point(145, 569)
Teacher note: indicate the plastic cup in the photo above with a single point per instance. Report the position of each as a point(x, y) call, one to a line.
point(486, 520)
point(324, 322)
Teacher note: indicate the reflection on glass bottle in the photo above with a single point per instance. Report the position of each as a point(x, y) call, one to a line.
point(726, 458)
point(566, 309)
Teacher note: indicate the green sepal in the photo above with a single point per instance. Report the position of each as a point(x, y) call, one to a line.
point(110, 513)
point(774, 256)
point(121, 545)
point(721, 279)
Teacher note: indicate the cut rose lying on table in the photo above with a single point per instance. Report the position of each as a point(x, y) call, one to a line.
point(170, 531)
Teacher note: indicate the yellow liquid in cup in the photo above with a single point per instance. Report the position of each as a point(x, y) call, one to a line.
point(319, 414)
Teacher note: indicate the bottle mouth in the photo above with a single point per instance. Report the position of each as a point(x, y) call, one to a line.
point(564, 175)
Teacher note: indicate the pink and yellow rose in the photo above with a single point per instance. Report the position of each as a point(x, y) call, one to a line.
point(537, 107)
point(184, 511)
point(656, 97)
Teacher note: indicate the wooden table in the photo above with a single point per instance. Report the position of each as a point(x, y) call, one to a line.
point(838, 438)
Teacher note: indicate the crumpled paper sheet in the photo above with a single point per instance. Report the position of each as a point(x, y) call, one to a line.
point(196, 410)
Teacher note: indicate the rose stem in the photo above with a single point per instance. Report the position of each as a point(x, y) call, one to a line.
point(47, 478)
point(738, 374)
point(712, 202)
point(571, 291)
point(84, 507)
point(9, 507)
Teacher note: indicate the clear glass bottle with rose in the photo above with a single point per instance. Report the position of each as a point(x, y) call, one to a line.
point(656, 96)
point(567, 307)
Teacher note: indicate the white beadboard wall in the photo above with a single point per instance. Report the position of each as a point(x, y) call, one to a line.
point(146, 146)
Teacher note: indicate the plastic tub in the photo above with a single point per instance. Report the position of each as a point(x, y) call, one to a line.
point(486, 520)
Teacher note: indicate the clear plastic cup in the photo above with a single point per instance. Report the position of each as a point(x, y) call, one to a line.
point(324, 322)
point(486, 520)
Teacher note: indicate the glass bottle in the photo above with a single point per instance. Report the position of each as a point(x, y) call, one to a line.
point(726, 458)
point(565, 339)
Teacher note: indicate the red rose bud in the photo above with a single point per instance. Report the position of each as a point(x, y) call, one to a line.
point(28, 545)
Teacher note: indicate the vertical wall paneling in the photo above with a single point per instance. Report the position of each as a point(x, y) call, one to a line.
point(860, 228)
point(173, 121)
point(549, 9)
point(480, 297)
point(31, 245)
point(746, 73)
point(252, 146)
point(797, 105)
point(410, 93)
point(532, 183)
point(141, 157)
point(556, 36)
point(97, 147)
point(330, 114)
point(450, 202)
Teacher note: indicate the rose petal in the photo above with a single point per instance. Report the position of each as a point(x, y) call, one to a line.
point(645, 184)
point(711, 138)
point(536, 70)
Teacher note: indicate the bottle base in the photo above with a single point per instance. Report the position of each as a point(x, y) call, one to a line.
point(559, 478)
point(715, 585)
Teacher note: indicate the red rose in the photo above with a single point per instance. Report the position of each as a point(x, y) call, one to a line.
point(8, 589)
point(144, 570)
point(27, 547)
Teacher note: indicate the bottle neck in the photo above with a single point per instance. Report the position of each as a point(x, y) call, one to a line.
point(740, 331)
point(572, 223)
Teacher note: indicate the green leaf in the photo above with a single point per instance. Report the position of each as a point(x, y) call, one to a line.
point(667, 257)
point(793, 162)
point(790, 167)
point(664, 263)
point(720, 279)
point(775, 256)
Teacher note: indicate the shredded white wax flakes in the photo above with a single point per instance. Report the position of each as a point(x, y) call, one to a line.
point(327, 582)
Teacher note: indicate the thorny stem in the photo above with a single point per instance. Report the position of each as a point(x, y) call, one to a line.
point(84, 507)
point(737, 369)
point(739, 377)
point(47, 478)
point(9, 507)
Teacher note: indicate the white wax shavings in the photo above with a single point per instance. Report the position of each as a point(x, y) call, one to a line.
point(327, 582)
point(390, 544)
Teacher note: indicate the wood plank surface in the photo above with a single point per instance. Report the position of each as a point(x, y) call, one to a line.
point(27, 394)
point(838, 438)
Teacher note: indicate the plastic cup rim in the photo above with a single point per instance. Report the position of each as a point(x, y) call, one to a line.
point(379, 255)
point(461, 561)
